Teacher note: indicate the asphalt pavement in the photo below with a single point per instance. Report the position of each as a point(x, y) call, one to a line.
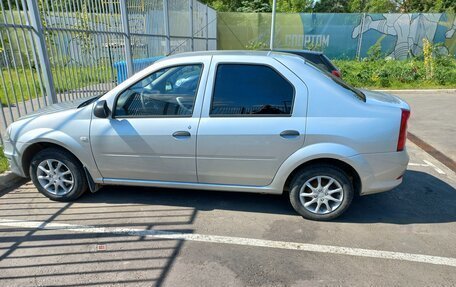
point(433, 118)
point(131, 236)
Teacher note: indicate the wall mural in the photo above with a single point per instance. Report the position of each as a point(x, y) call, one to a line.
point(409, 31)
point(344, 35)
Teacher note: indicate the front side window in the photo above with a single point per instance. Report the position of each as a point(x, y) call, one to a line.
point(167, 92)
point(250, 90)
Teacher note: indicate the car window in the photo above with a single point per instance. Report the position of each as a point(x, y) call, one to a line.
point(167, 92)
point(354, 91)
point(318, 61)
point(328, 62)
point(250, 90)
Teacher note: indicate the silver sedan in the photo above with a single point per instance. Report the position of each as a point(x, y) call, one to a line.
point(263, 122)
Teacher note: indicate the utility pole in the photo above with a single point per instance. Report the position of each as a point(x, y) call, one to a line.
point(271, 42)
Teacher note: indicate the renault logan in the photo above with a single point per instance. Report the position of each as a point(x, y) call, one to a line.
point(264, 122)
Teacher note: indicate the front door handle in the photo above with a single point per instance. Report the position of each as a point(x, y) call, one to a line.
point(289, 134)
point(181, 134)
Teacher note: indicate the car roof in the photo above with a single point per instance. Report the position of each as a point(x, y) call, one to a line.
point(299, 51)
point(231, 53)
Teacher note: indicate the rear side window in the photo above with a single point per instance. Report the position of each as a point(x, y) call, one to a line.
point(319, 61)
point(251, 90)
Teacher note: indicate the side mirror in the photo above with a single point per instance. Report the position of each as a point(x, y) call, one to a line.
point(101, 110)
point(168, 86)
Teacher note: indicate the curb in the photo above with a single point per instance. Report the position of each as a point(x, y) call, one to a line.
point(417, 90)
point(9, 181)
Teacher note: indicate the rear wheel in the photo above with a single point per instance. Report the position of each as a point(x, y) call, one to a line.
point(58, 175)
point(321, 192)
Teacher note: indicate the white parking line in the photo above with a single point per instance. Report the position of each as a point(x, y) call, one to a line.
point(417, 164)
point(427, 164)
point(434, 167)
point(447, 261)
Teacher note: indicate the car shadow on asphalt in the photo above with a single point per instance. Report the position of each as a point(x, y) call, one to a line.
point(421, 198)
point(200, 200)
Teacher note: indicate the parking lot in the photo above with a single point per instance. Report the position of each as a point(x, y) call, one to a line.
point(144, 236)
point(159, 237)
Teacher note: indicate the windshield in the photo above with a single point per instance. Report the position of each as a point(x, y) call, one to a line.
point(357, 93)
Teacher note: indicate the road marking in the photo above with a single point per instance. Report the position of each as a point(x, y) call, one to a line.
point(434, 167)
point(442, 158)
point(427, 164)
point(380, 254)
point(417, 164)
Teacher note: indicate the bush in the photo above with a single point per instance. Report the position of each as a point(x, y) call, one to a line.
point(410, 73)
point(3, 162)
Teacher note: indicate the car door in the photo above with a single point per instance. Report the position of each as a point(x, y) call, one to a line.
point(152, 132)
point(253, 119)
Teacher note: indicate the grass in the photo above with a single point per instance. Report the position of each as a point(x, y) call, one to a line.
point(406, 74)
point(19, 82)
point(3, 162)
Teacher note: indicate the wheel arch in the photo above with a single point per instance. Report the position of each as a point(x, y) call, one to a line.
point(31, 150)
point(347, 168)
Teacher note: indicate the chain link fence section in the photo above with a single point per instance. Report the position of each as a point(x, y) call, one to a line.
point(60, 50)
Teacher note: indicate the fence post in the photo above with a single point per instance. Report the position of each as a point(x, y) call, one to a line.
point(166, 25)
point(360, 38)
point(126, 30)
point(207, 27)
point(190, 7)
point(273, 16)
point(43, 58)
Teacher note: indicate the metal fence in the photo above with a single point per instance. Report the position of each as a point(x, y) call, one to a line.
point(60, 50)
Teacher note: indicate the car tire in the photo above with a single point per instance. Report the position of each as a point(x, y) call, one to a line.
point(315, 195)
point(62, 171)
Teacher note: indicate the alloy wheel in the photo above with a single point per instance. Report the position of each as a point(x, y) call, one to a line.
point(321, 194)
point(55, 177)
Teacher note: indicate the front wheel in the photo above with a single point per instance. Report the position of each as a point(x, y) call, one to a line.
point(321, 192)
point(58, 175)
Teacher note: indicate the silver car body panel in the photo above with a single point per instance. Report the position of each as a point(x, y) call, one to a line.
point(144, 148)
point(68, 128)
point(248, 150)
point(231, 154)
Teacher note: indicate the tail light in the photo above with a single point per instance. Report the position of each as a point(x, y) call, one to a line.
point(403, 130)
point(336, 73)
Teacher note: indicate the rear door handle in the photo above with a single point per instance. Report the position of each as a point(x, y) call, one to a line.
point(289, 134)
point(181, 134)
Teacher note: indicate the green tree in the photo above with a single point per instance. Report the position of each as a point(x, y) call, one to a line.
point(294, 6)
point(372, 6)
point(331, 6)
point(224, 5)
point(335, 6)
point(256, 6)
point(408, 6)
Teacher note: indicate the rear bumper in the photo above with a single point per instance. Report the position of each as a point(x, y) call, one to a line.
point(380, 171)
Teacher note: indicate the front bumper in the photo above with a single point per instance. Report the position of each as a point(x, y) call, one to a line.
point(380, 171)
point(13, 158)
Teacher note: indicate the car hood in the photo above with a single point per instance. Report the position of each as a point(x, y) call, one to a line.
point(55, 108)
point(384, 99)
